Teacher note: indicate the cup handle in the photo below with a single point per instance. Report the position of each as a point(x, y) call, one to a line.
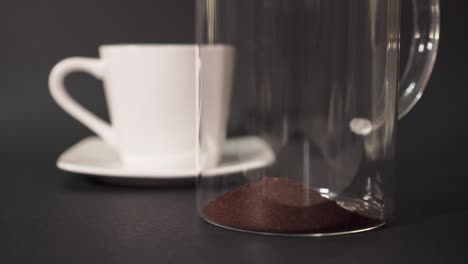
point(58, 91)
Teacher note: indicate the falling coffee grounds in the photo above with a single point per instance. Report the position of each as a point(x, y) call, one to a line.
point(281, 205)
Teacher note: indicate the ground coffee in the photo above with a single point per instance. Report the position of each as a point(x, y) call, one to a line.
point(281, 205)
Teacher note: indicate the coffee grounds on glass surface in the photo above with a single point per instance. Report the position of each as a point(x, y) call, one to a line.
point(281, 205)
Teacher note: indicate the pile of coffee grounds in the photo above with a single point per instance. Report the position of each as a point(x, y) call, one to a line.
point(281, 205)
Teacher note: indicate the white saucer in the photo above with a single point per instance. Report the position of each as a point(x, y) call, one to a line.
point(92, 156)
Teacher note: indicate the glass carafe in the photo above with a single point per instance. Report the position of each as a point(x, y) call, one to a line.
point(311, 93)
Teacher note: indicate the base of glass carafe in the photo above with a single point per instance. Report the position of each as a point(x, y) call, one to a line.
point(354, 204)
point(354, 231)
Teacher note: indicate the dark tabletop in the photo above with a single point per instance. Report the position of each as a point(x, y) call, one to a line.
point(49, 216)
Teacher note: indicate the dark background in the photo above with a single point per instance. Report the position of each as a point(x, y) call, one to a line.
point(48, 216)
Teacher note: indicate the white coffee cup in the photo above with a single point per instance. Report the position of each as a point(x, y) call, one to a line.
point(153, 98)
